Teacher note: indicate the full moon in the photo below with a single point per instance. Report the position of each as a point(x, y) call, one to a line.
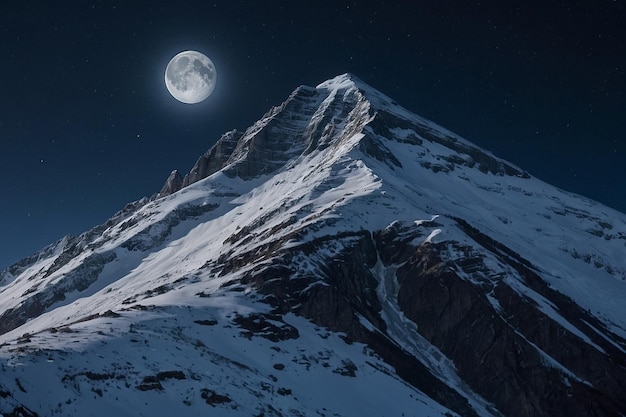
point(190, 77)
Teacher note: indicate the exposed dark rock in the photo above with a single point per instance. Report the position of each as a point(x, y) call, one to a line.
point(206, 322)
point(394, 242)
point(212, 398)
point(92, 376)
point(153, 382)
point(162, 376)
point(491, 348)
point(173, 183)
point(348, 368)
point(268, 326)
point(214, 159)
point(209, 163)
point(417, 374)
point(274, 140)
point(109, 313)
point(374, 148)
point(495, 351)
point(150, 383)
point(349, 288)
point(337, 299)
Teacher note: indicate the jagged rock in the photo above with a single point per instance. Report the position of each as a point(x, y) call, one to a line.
point(214, 159)
point(488, 345)
point(173, 183)
point(271, 327)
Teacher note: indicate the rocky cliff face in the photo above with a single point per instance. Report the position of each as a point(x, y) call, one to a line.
point(466, 285)
point(502, 344)
point(493, 331)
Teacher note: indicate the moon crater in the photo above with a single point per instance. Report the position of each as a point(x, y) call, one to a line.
point(190, 77)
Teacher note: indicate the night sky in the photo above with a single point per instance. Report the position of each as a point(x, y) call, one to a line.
point(87, 125)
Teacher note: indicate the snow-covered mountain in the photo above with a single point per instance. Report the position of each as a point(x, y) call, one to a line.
point(341, 257)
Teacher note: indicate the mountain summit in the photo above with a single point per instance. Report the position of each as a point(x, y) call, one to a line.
point(341, 256)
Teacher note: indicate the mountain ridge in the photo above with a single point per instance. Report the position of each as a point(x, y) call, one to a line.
point(343, 208)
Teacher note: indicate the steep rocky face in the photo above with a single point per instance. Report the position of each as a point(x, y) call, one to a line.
point(512, 355)
point(214, 159)
point(341, 296)
point(209, 163)
point(173, 183)
point(502, 344)
point(310, 119)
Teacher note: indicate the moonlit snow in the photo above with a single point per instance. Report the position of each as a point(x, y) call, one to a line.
point(154, 335)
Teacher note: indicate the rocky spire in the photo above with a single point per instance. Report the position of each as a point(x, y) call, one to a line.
point(214, 159)
point(173, 183)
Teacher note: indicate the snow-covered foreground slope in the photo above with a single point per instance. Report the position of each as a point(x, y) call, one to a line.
point(196, 359)
point(340, 257)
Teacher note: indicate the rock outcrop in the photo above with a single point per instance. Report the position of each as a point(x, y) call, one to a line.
point(173, 183)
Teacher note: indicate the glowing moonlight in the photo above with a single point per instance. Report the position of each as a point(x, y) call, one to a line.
point(190, 77)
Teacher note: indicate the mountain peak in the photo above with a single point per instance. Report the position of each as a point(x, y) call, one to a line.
point(463, 285)
point(342, 112)
point(310, 119)
point(350, 82)
point(346, 80)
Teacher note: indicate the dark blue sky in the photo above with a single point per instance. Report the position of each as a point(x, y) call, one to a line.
point(87, 124)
